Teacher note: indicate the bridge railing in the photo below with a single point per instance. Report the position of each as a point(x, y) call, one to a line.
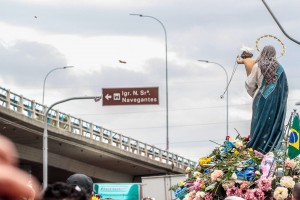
point(78, 126)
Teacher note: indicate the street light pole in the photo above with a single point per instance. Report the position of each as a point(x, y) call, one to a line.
point(45, 136)
point(167, 88)
point(226, 90)
point(48, 75)
point(279, 25)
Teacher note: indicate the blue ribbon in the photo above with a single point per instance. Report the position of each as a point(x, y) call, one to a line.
point(181, 192)
point(247, 174)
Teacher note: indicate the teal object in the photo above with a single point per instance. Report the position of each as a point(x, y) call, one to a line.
point(268, 115)
point(118, 191)
point(181, 192)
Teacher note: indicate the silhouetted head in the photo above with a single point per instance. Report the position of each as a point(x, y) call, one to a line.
point(81, 180)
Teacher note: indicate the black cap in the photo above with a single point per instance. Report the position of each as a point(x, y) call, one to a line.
point(82, 180)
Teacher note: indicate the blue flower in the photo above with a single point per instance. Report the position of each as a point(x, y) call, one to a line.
point(206, 171)
point(249, 162)
point(180, 192)
point(249, 173)
point(223, 152)
point(228, 145)
point(240, 174)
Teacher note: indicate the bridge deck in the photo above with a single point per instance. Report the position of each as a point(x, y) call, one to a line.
point(81, 141)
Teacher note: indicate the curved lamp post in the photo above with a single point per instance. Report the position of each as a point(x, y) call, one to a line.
point(48, 75)
point(45, 136)
point(279, 25)
point(226, 90)
point(167, 96)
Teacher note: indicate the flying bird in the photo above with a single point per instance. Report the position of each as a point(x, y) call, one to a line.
point(123, 62)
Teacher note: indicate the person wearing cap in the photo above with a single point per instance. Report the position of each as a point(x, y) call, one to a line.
point(83, 181)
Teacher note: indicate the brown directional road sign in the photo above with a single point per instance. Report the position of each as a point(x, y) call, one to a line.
point(130, 96)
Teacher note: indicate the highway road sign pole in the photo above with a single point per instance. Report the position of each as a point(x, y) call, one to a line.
point(110, 96)
point(45, 136)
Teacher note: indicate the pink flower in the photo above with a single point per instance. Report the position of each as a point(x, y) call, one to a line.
point(196, 185)
point(264, 184)
point(197, 198)
point(255, 194)
point(190, 196)
point(233, 191)
point(259, 194)
point(208, 196)
point(258, 153)
point(290, 164)
point(243, 192)
point(215, 175)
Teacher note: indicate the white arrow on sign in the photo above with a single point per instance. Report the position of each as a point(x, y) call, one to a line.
point(107, 96)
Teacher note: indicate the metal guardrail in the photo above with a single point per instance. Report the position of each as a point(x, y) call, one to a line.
point(74, 125)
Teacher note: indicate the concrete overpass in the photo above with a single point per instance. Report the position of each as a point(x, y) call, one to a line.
point(79, 146)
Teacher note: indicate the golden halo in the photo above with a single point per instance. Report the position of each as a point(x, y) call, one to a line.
point(274, 37)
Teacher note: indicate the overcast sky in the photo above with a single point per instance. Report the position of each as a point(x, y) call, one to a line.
point(39, 35)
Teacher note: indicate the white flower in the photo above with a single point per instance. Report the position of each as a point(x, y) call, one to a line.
point(211, 187)
point(238, 143)
point(200, 194)
point(234, 176)
point(280, 193)
point(196, 174)
point(232, 140)
point(188, 169)
point(287, 182)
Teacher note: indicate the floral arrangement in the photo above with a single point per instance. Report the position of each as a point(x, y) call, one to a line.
point(232, 169)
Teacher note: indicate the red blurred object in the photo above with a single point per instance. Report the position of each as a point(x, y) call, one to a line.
point(227, 137)
point(247, 138)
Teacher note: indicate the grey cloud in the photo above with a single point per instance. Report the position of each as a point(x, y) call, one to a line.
point(30, 61)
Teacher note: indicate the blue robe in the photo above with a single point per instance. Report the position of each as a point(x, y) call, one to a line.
point(268, 114)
